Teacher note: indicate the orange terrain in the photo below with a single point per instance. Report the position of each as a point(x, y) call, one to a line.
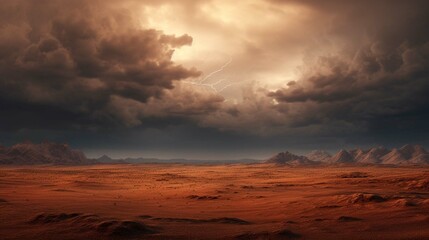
point(173, 201)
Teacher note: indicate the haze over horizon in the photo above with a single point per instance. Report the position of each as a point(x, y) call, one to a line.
point(211, 79)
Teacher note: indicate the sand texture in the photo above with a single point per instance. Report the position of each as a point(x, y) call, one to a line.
point(173, 201)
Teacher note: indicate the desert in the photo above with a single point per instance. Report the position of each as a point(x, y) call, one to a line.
point(214, 119)
point(236, 201)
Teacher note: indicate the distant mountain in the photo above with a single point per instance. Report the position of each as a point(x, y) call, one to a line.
point(107, 159)
point(412, 151)
point(342, 157)
point(289, 159)
point(28, 153)
point(319, 155)
point(415, 154)
point(395, 156)
point(406, 155)
point(357, 153)
point(372, 156)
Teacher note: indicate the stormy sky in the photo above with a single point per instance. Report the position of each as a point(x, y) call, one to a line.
point(214, 79)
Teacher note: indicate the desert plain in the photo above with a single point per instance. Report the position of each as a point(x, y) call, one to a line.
point(236, 201)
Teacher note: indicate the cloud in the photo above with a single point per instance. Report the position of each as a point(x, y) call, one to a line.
point(377, 83)
point(362, 73)
point(301, 69)
point(78, 58)
point(181, 104)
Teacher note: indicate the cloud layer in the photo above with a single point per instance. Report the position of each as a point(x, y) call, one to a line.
point(346, 71)
point(375, 82)
point(69, 63)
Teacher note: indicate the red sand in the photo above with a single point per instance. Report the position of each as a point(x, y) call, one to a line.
point(213, 202)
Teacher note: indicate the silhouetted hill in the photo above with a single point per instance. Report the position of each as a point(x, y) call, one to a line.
point(406, 155)
point(289, 159)
point(28, 153)
point(342, 156)
point(319, 156)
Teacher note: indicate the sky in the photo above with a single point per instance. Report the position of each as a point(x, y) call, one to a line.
point(214, 79)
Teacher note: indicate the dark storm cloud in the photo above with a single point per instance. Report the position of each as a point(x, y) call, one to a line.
point(69, 66)
point(181, 104)
point(379, 78)
point(63, 63)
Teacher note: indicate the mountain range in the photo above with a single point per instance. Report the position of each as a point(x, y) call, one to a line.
point(406, 155)
point(28, 153)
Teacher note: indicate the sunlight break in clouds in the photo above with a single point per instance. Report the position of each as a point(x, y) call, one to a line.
point(223, 30)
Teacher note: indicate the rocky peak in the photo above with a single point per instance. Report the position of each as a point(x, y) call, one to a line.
point(343, 157)
point(287, 157)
